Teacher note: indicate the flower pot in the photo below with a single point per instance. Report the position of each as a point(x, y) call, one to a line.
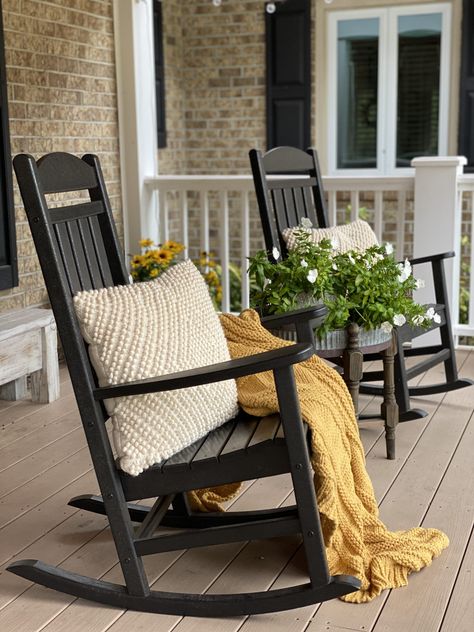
point(337, 339)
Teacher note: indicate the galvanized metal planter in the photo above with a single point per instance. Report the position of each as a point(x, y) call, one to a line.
point(337, 339)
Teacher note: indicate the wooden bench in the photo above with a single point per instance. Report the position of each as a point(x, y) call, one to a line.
point(28, 346)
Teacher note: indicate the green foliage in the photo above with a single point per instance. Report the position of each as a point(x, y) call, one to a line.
point(464, 293)
point(369, 288)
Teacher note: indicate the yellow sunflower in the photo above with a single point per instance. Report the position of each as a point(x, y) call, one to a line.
point(145, 243)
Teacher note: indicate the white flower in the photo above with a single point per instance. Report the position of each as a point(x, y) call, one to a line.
point(386, 327)
point(405, 271)
point(335, 243)
point(437, 318)
point(304, 264)
point(378, 256)
point(334, 266)
point(351, 258)
point(275, 253)
point(306, 222)
point(388, 248)
point(419, 284)
point(312, 276)
point(418, 320)
point(430, 313)
point(399, 320)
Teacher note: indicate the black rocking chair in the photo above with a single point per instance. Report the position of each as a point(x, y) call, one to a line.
point(79, 250)
point(296, 191)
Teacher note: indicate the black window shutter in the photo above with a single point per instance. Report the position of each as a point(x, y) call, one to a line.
point(8, 259)
point(288, 52)
point(466, 101)
point(159, 72)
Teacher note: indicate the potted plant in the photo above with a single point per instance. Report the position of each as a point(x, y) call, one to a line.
point(367, 288)
point(156, 258)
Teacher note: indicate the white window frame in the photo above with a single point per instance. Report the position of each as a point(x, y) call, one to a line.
point(387, 90)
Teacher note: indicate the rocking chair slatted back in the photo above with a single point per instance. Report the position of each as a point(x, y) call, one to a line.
point(81, 241)
point(88, 245)
point(296, 195)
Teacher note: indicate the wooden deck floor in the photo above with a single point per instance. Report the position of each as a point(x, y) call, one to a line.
point(44, 462)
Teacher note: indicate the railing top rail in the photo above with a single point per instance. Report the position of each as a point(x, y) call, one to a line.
point(466, 182)
point(244, 182)
point(368, 183)
point(200, 182)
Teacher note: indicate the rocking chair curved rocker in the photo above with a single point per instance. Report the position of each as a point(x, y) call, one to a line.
point(78, 250)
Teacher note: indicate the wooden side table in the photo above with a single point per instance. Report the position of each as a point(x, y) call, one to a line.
point(350, 358)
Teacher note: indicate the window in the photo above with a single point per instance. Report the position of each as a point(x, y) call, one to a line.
point(8, 266)
point(388, 86)
point(159, 72)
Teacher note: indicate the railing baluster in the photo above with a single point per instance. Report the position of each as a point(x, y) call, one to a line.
point(402, 205)
point(471, 275)
point(224, 249)
point(245, 250)
point(378, 215)
point(164, 220)
point(354, 205)
point(332, 203)
point(204, 227)
point(183, 199)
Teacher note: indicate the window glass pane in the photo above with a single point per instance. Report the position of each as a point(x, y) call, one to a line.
point(419, 52)
point(357, 68)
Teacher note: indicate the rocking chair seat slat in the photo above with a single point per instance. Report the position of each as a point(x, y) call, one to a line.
point(266, 456)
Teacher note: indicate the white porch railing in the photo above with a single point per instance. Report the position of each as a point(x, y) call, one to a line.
point(465, 261)
point(386, 196)
point(425, 214)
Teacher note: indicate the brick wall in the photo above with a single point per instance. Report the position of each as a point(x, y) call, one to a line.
point(62, 97)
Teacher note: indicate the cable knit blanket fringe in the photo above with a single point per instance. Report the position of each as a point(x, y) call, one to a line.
point(357, 542)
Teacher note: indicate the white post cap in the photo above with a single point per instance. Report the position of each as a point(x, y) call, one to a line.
point(439, 161)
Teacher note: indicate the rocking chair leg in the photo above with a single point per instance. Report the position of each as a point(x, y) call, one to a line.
point(446, 334)
point(181, 505)
point(302, 476)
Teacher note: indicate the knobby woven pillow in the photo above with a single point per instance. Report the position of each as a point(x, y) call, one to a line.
point(149, 329)
point(357, 235)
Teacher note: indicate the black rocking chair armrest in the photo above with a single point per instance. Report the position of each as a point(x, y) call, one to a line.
point(432, 258)
point(267, 361)
point(296, 316)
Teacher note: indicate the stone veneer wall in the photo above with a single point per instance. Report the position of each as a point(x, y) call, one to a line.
point(62, 97)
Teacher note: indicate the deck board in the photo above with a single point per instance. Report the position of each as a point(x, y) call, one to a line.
point(43, 463)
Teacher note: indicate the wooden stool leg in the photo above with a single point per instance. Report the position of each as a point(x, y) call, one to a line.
point(45, 382)
point(352, 362)
point(14, 390)
point(389, 408)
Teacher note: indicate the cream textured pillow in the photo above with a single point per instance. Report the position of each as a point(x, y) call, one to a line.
point(357, 235)
point(150, 329)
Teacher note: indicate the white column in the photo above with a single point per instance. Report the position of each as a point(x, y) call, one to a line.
point(134, 52)
point(437, 221)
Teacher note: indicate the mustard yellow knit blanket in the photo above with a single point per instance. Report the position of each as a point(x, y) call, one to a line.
point(357, 542)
